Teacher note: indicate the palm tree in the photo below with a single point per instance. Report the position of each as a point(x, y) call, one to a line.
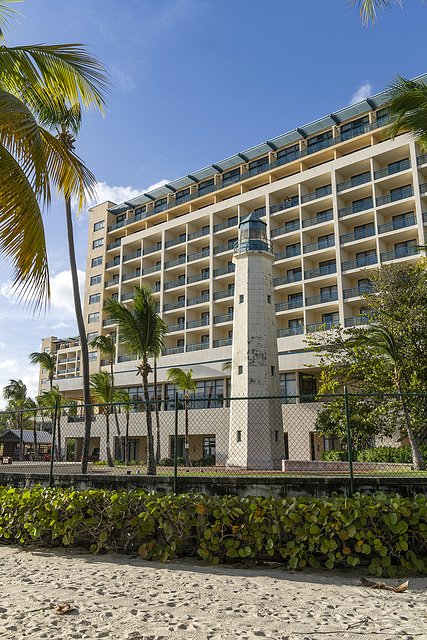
point(142, 331)
point(32, 160)
point(368, 8)
point(184, 381)
point(16, 393)
point(381, 340)
point(124, 398)
point(408, 108)
point(46, 361)
point(103, 391)
point(53, 398)
point(107, 347)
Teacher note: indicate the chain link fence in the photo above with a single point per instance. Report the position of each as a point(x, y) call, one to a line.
point(342, 435)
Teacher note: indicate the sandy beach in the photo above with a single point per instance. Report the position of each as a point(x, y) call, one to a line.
point(124, 597)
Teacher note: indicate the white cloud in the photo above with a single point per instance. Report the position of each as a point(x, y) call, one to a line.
point(62, 301)
point(123, 79)
point(363, 92)
point(120, 194)
point(2, 345)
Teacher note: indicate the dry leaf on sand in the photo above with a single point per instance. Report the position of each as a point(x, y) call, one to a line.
point(381, 585)
point(64, 608)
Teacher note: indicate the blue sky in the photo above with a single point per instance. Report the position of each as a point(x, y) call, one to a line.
point(195, 81)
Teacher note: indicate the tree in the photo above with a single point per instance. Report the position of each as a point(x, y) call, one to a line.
point(32, 160)
point(408, 109)
point(142, 331)
point(107, 347)
point(124, 398)
point(103, 391)
point(368, 8)
point(16, 393)
point(184, 381)
point(46, 361)
point(54, 399)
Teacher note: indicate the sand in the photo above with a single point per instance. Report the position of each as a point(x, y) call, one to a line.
point(117, 596)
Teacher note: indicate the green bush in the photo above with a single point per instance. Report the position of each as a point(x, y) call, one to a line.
point(376, 454)
point(169, 462)
point(204, 462)
point(387, 533)
point(338, 456)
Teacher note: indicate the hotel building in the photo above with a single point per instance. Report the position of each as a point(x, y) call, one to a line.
point(338, 199)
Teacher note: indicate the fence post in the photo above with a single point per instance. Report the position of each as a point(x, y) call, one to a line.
point(52, 450)
point(349, 442)
point(175, 451)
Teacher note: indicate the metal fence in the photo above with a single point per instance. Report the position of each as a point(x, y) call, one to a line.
point(343, 435)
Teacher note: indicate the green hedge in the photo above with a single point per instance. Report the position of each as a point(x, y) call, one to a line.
point(376, 454)
point(384, 532)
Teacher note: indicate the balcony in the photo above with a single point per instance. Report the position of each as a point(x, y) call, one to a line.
point(201, 322)
point(287, 228)
point(399, 194)
point(422, 159)
point(114, 245)
point(291, 304)
point(397, 224)
point(179, 304)
point(131, 276)
point(153, 249)
point(354, 182)
point(321, 217)
point(231, 268)
point(171, 351)
point(224, 342)
point(197, 256)
point(357, 235)
point(225, 317)
point(291, 277)
point(286, 204)
point(392, 169)
point(111, 283)
point(175, 241)
point(179, 326)
point(322, 298)
point(357, 207)
point(226, 293)
point(288, 253)
point(423, 189)
point(359, 262)
point(175, 283)
point(357, 291)
point(322, 326)
point(198, 277)
point(226, 225)
point(108, 322)
point(127, 296)
point(225, 247)
point(319, 193)
point(128, 358)
point(357, 321)
point(402, 252)
point(198, 300)
point(112, 263)
point(290, 331)
point(133, 255)
point(199, 346)
point(317, 246)
point(320, 271)
point(198, 234)
point(153, 269)
point(174, 263)
point(117, 225)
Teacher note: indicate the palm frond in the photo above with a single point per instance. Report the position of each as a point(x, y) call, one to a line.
point(44, 359)
point(368, 8)
point(105, 345)
point(408, 107)
point(6, 12)
point(183, 380)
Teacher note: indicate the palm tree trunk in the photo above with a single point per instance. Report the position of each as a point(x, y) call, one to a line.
point(127, 438)
point(21, 436)
point(119, 436)
point(58, 432)
point(186, 442)
point(110, 461)
point(35, 434)
point(151, 461)
point(82, 333)
point(156, 406)
point(418, 459)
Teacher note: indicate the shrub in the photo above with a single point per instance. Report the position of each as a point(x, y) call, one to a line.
point(169, 462)
point(204, 462)
point(387, 533)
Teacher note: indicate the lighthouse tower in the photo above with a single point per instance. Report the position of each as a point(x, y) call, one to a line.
point(256, 438)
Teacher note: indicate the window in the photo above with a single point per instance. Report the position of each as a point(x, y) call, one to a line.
point(93, 356)
point(93, 317)
point(182, 196)
point(239, 436)
point(91, 336)
point(307, 387)
point(276, 436)
point(98, 225)
point(160, 205)
point(287, 155)
point(354, 128)
point(230, 177)
point(141, 210)
point(205, 339)
point(296, 323)
point(288, 387)
point(96, 297)
point(331, 318)
point(362, 204)
point(121, 217)
point(209, 449)
point(240, 370)
point(241, 298)
point(44, 380)
point(273, 371)
point(97, 243)
point(96, 261)
point(319, 142)
point(205, 187)
point(205, 315)
point(258, 166)
point(180, 342)
point(269, 299)
point(46, 349)
point(230, 334)
point(95, 280)
point(329, 293)
point(181, 320)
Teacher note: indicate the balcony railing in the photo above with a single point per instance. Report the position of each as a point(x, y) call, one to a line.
point(170, 351)
point(402, 252)
point(199, 346)
point(397, 224)
point(291, 304)
point(357, 291)
point(331, 296)
point(131, 276)
point(153, 269)
point(357, 235)
point(359, 262)
point(290, 331)
point(226, 225)
point(179, 326)
point(291, 277)
point(197, 256)
point(127, 296)
point(357, 207)
point(294, 225)
point(320, 271)
point(357, 321)
point(179, 304)
point(133, 255)
point(198, 234)
point(198, 277)
point(322, 326)
point(354, 182)
point(423, 189)
point(422, 159)
point(174, 263)
point(224, 342)
point(225, 317)
point(288, 253)
point(153, 249)
point(319, 193)
point(108, 322)
point(225, 293)
point(200, 322)
point(128, 358)
point(394, 168)
point(111, 283)
point(321, 217)
point(322, 244)
point(225, 247)
point(198, 300)
point(174, 242)
point(286, 204)
point(112, 263)
point(114, 245)
point(175, 283)
point(231, 268)
point(399, 194)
